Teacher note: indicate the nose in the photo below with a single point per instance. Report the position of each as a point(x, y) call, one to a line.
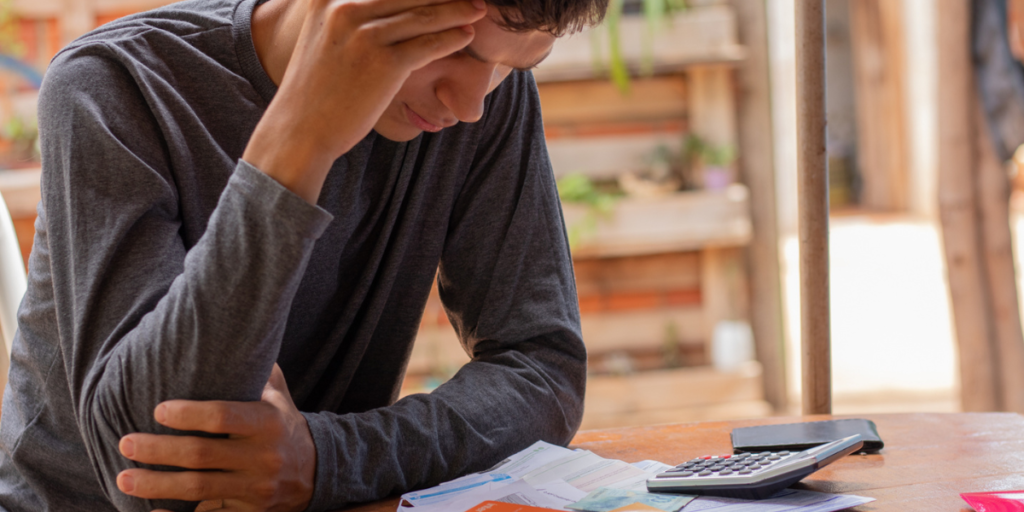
point(464, 90)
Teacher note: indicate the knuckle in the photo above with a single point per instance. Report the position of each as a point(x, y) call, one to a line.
point(219, 419)
point(264, 491)
point(342, 13)
point(273, 461)
point(199, 454)
point(425, 15)
point(195, 487)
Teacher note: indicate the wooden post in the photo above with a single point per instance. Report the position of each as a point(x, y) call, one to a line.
point(878, 38)
point(758, 172)
point(958, 209)
point(812, 171)
point(993, 198)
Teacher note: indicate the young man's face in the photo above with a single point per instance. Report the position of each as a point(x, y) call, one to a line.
point(452, 89)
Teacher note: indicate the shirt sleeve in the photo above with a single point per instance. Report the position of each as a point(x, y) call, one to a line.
point(142, 318)
point(507, 283)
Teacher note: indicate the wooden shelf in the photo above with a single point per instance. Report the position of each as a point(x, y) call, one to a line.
point(660, 396)
point(699, 36)
point(20, 190)
point(680, 222)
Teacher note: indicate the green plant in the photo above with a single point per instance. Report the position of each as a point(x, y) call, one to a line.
point(580, 189)
point(656, 13)
point(699, 153)
point(9, 42)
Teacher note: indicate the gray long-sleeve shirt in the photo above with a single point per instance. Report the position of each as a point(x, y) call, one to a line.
point(164, 267)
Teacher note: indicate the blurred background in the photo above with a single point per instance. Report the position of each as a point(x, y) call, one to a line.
point(672, 133)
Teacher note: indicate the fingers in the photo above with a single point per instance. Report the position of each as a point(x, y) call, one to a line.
point(186, 451)
point(374, 9)
point(218, 417)
point(429, 19)
point(184, 485)
point(423, 50)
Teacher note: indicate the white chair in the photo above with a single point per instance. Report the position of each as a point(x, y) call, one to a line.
point(12, 287)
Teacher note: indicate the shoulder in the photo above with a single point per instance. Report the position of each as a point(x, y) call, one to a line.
point(162, 41)
point(178, 20)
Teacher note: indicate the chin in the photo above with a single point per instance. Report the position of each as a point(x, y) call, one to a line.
point(397, 133)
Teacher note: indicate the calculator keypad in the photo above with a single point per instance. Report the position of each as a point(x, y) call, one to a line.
point(741, 464)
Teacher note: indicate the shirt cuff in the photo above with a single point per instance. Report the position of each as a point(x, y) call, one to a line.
point(327, 464)
point(265, 193)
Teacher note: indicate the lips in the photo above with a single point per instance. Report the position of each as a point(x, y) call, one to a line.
point(421, 123)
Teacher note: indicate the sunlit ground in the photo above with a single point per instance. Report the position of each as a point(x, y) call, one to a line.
point(892, 338)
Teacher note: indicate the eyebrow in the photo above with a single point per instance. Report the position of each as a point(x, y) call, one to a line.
point(472, 53)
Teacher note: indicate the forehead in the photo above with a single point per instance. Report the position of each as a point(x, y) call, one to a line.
point(497, 44)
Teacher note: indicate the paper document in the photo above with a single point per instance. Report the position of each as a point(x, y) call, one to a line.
point(607, 500)
point(553, 477)
point(785, 501)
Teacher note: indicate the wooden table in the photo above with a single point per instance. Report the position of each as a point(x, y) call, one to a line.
point(928, 460)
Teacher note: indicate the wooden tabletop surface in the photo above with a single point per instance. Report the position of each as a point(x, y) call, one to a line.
point(928, 459)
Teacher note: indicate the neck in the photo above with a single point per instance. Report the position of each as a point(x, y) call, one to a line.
point(275, 29)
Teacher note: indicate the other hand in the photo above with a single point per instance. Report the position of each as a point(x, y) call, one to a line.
point(267, 463)
point(351, 58)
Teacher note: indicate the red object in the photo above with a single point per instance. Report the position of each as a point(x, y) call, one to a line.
point(1003, 501)
point(499, 506)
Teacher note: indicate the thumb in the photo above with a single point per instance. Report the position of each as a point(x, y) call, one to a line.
point(276, 384)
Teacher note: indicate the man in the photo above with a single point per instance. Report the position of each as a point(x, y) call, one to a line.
point(236, 195)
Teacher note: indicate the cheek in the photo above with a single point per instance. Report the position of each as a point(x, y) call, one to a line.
point(420, 84)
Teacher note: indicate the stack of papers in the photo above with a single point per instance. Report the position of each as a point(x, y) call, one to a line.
point(549, 476)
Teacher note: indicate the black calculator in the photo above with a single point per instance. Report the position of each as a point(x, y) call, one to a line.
point(750, 475)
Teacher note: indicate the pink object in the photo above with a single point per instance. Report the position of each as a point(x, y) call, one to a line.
point(1003, 501)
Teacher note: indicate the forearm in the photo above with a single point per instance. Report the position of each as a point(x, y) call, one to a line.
point(503, 401)
point(214, 334)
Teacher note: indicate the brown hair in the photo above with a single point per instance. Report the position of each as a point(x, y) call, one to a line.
point(557, 17)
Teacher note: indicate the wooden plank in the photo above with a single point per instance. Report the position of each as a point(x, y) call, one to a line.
point(606, 157)
point(712, 104)
point(928, 459)
point(878, 39)
point(21, 191)
point(645, 329)
point(723, 288)
point(655, 98)
point(647, 391)
point(700, 35)
point(758, 173)
point(993, 198)
point(812, 169)
point(958, 211)
point(672, 271)
point(741, 409)
point(679, 222)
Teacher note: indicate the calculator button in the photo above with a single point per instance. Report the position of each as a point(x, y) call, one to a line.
point(704, 473)
point(774, 457)
point(726, 456)
point(765, 454)
point(741, 456)
point(725, 472)
point(685, 474)
point(784, 453)
point(706, 457)
point(744, 472)
point(765, 463)
point(716, 468)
